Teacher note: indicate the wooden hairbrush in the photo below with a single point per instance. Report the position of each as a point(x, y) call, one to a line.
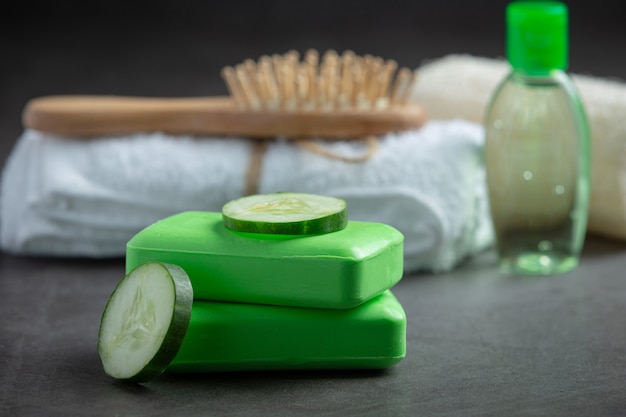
point(333, 96)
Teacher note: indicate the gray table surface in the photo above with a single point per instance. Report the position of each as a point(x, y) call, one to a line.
point(478, 343)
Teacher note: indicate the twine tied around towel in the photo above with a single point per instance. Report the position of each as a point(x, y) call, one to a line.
point(259, 149)
point(326, 84)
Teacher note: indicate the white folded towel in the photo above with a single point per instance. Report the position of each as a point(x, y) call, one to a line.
point(88, 198)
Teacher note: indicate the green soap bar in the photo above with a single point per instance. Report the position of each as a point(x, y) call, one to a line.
point(245, 337)
point(334, 270)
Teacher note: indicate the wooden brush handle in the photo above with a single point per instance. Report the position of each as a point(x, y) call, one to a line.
point(90, 116)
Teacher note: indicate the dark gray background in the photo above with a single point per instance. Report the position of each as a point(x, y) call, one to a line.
point(177, 48)
point(479, 343)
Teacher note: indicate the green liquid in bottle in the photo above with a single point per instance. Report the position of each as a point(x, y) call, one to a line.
point(537, 159)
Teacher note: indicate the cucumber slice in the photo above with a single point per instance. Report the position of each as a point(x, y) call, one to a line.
point(286, 214)
point(145, 321)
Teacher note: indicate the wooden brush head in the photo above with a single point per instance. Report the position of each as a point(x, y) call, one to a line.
point(331, 82)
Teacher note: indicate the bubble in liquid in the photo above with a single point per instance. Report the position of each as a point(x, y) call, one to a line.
point(559, 190)
point(527, 175)
point(544, 246)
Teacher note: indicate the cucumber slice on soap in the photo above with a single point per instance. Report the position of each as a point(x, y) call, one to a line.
point(286, 214)
point(145, 321)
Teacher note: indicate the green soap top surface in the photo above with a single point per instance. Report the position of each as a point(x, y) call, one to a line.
point(242, 337)
point(334, 270)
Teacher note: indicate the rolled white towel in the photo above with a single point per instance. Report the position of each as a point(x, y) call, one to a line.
point(460, 86)
point(88, 198)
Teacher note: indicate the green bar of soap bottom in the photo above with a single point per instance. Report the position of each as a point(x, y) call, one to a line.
point(226, 336)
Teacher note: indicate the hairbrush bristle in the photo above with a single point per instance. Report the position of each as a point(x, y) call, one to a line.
point(329, 82)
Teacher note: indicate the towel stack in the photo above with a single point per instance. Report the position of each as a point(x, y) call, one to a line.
point(68, 197)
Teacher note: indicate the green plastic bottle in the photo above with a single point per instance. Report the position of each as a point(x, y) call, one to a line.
point(537, 147)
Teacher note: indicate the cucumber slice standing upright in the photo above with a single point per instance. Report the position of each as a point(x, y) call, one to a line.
point(145, 321)
point(286, 214)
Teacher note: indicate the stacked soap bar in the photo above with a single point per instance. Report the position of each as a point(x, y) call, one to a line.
point(266, 301)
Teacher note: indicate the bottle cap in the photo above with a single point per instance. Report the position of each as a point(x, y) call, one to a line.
point(537, 39)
